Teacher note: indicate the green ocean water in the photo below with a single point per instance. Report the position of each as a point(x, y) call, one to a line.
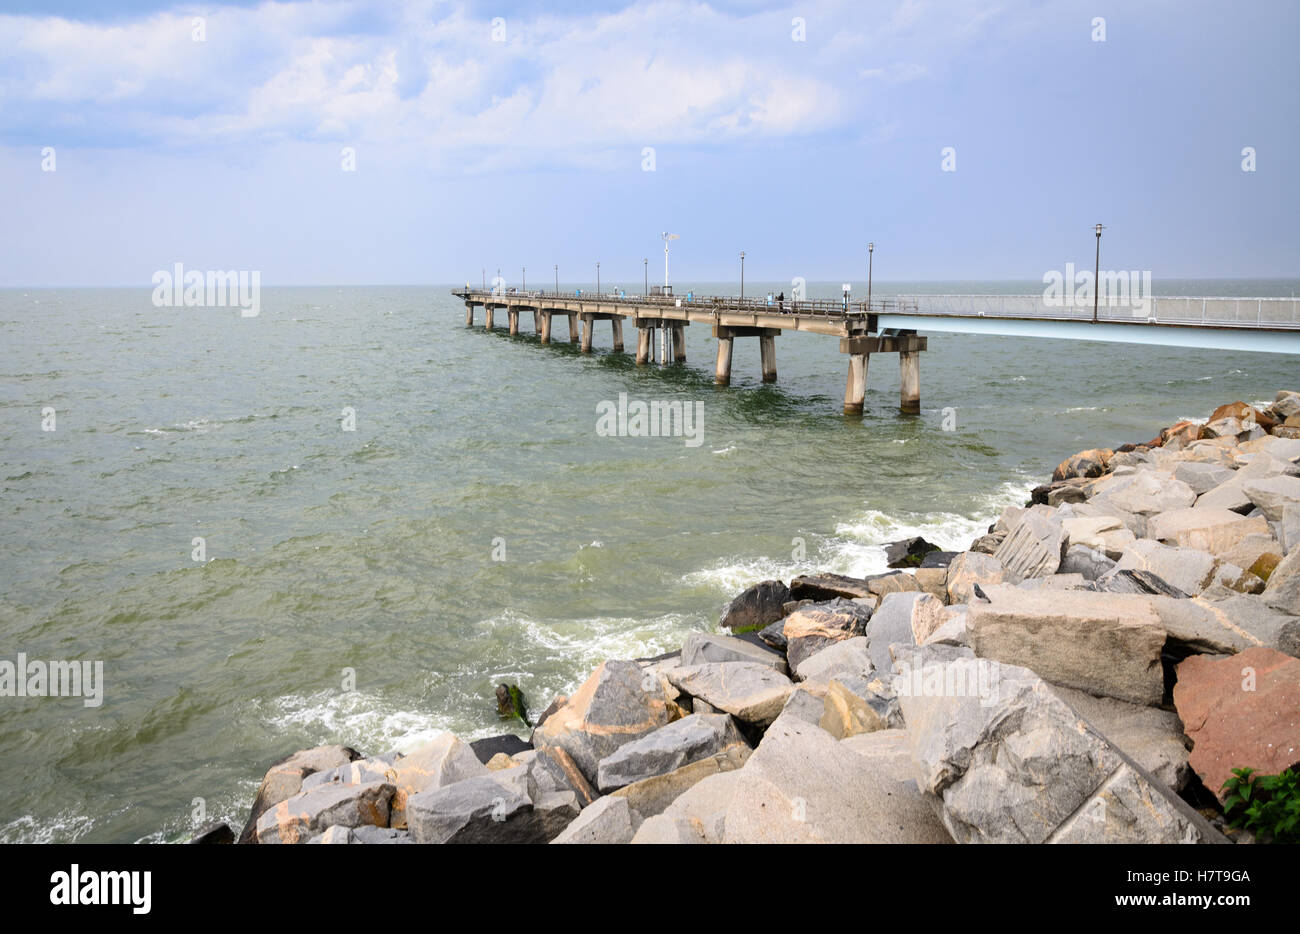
point(376, 550)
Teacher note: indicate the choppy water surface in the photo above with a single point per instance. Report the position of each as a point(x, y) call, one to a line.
point(373, 550)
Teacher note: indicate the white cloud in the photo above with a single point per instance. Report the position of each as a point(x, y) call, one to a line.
point(430, 76)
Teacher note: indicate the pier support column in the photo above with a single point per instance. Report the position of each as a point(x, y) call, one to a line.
point(469, 315)
point(537, 328)
point(588, 325)
point(616, 326)
point(546, 327)
point(909, 365)
point(513, 316)
point(722, 374)
point(767, 353)
point(643, 337)
point(573, 327)
point(679, 342)
point(489, 309)
point(855, 390)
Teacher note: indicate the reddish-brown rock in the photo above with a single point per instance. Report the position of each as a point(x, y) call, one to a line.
point(1085, 464)
point(1181, 434)
point(1244, 412)
point(1240, 711)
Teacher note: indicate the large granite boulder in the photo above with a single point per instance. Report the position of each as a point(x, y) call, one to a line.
point(694, 816)
point(1015, 764)
point(970, 568)
point(1189, 570)
point(1283, 590)
point(551, 769)
point(667, 749)
point(1205, 528)
point(284, 779)
point(308, 813)
point(607, 820)
point(812, 628)
point(1273, 494)
point(897, 620)
point(1144, 492)
point(750, 691)
point(848, 657)
point(756, 606)
point(441, 761)
point(803, 786)
point(1150, 736)
point(1106, 644)
point(700, 648)
point(652, 796)
point(1086, 562)
point(495, 808)
point(1242, 711)
point(823, 587)
point(1033, 548)
point(619, 703)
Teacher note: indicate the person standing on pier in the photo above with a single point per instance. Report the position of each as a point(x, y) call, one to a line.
point(780, 302)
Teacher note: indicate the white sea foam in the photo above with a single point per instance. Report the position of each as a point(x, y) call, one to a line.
point(857, 546)
point(67, 827)
point(357, 718)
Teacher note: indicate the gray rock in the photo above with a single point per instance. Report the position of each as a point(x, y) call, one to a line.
point(608, 819)
point(1150, 736)
point(1144, 493)
point(823, 587)
point(441, 761)
point(749, 691)
point(891, 623)
point(1018, 765)
point(1289, 529)
point(667, 749)
point(1129, 581)
point(838, 658)
point(1080, 559)
point(1033, 548)
point(284, 779)
point(308, 813)
point(703, 647)
point(908, 553)
point(756, 606)
point(617, 704)
point(803, 786)
point(1202, 477)
point(697, 815)
point(970, 568)
point(803, 706)
point(652, 796)
point(1106, 644)
point(551, 770)
point(1187, 569)
point(812, 628)
point(487, 809)
point(1273, 494)
point(377, 769)
point(856, 704)
point(1283, 590)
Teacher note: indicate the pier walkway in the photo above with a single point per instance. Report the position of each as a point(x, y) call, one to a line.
point(890, 325)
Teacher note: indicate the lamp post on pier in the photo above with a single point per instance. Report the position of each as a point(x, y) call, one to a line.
point(871, 255)
point(523, 279)
point(557, 278)
point(742, 275)
point(646, 263)
point(597, 279)
point(1096, 273)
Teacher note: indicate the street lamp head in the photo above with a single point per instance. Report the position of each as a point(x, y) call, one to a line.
point(1099, 229)
point(871, 247)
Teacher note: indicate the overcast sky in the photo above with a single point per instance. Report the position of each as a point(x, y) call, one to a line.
point(496, 135)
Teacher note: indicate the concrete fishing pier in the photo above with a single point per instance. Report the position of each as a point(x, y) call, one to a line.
point(889, 326)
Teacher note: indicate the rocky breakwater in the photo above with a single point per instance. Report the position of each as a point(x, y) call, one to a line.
point(1091, 670)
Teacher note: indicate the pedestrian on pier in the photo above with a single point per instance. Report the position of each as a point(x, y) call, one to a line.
point(780, 302)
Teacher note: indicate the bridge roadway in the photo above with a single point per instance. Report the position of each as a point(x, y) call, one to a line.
point(891, 325)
